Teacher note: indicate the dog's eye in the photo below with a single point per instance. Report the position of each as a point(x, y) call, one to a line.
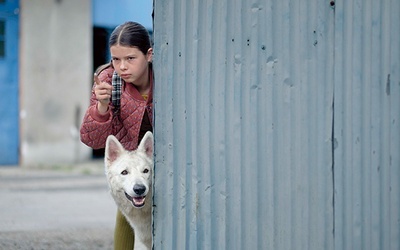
point(124, 172)
point(145, 171)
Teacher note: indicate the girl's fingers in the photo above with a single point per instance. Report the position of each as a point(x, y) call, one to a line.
point(96, 79)
point(100, 85)
point(105, 92)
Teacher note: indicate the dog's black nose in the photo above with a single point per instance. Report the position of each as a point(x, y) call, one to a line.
point(139, 189)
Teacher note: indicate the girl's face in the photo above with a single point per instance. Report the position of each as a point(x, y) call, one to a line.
point(131, 64)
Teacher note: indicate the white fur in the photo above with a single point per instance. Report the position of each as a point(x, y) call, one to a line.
point(124, 170)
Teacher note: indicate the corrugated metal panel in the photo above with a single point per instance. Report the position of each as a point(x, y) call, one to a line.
point(243, 125)
point(367, 125)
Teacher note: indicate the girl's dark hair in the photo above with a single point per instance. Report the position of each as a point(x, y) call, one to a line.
point(131, 34)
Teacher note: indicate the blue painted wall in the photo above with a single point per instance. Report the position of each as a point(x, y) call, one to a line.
point(109, 14)
point(9, 101)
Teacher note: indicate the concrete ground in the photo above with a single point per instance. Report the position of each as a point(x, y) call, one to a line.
point(63, 207)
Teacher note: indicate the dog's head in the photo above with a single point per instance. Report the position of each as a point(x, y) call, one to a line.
point(130, 173)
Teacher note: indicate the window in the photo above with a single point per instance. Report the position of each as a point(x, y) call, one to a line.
point(2, 37)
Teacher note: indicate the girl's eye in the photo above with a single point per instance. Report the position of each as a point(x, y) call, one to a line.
point(145, 171)
point(124, 172)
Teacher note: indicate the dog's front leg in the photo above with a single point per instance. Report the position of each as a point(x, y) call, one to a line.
point(139, 245)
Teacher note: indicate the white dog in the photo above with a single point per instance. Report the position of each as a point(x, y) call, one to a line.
point(129, 176)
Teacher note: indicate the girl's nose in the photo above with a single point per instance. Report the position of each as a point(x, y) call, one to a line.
point(122, 66)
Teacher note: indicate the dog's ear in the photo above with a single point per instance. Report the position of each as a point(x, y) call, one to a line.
point(146, 145)
point(113, 149)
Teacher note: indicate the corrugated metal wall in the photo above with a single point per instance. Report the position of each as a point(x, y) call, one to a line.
point(367, 125)
point(249, 95)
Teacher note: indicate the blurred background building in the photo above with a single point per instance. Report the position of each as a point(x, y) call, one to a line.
point(48, 52)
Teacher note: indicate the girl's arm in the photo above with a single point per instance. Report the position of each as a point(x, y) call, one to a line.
point(97, 126)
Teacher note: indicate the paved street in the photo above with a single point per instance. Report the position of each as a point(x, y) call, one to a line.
point(67, 207)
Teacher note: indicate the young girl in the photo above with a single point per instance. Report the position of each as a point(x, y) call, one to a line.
point(121, 102)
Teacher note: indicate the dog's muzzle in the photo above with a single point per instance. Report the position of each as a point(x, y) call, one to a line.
point(139, 199)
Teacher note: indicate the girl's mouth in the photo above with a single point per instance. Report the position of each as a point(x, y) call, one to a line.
point(125, 76)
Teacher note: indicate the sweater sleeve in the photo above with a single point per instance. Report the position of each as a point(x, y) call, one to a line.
point(96, 127)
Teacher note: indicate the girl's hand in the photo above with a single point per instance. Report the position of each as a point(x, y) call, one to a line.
point(102, 91)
